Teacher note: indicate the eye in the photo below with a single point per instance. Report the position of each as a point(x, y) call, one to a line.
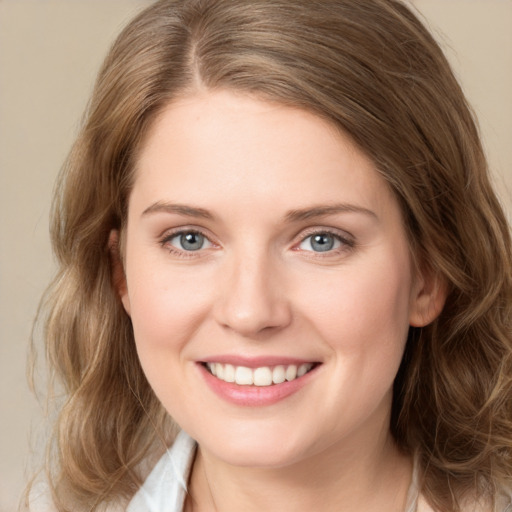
point(321, 242)
point(189, 241)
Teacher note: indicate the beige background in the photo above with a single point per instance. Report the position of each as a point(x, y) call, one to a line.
point(49, 53)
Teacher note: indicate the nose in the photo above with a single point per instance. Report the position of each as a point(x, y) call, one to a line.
point(252, 299)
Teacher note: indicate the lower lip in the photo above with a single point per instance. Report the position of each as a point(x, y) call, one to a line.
point(252, 396)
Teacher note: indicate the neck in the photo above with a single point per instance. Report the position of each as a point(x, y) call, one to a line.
point(342, 478)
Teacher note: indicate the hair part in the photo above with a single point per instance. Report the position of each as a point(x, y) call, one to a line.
point(374, 71)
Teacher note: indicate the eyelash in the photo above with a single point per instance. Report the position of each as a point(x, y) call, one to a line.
point(347, 243)
point(181, 253)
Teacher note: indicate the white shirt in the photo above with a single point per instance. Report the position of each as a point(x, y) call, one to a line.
point(165, 488)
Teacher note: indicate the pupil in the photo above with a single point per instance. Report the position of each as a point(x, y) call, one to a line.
point(322, 243)
point(192, 241)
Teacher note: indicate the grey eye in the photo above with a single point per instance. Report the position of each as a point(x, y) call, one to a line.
point(190, 241)
point(320, 242)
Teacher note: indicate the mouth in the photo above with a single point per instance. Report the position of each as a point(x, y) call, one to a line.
point(262, 376)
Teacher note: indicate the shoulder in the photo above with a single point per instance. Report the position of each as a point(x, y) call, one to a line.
point(504, 501)
point(503, 504)
point(39, 499)
point(164, 489)
point(166, 486)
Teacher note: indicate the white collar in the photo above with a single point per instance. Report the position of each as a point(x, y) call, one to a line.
point(166, 486)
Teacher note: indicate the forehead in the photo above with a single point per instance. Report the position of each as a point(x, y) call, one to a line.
point(220, 146)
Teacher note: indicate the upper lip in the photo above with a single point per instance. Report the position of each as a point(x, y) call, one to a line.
point(256, 362)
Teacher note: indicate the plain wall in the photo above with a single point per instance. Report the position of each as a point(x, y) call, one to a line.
point(50, 51)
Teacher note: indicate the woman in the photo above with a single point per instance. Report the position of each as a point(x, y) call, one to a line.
point(276, 228)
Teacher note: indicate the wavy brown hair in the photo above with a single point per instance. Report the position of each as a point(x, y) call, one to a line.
point(371, 68)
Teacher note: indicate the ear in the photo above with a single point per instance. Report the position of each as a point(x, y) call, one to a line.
point(117, 266)
point(428, 296)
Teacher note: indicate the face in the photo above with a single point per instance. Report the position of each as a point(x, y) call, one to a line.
point(268, 279)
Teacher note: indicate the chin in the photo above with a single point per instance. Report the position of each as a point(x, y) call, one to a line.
point(262, 447)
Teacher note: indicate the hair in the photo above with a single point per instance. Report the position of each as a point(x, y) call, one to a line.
point(372, 69)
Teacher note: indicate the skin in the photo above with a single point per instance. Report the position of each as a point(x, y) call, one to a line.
point(258, 287)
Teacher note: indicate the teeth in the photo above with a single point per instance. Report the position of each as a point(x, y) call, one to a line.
point(212, 367)
point(229, 373)
point(263, 376)
point(291, 372)
point(243, 376)
point(278, 375)
point(301, 370)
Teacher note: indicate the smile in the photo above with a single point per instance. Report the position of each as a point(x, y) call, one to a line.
point(261, 376)
point(257, 382)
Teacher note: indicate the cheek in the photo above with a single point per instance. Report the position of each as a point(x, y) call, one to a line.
point(356, 302)
point(166, 306)
point(362, 314)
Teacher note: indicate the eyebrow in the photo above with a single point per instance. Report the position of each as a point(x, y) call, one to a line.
point(295, 215)
point(322, 211)
point(180, 209)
